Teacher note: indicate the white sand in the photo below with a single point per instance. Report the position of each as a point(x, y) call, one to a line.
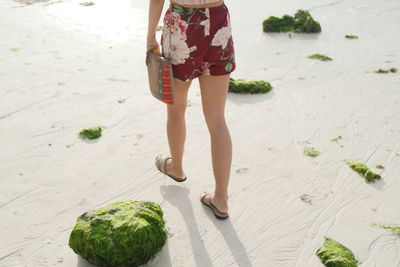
point(76, 62)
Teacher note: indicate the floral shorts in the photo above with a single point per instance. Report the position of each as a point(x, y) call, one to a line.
point(201, 41)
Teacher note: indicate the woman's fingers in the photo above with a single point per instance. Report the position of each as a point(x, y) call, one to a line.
point(152, 44)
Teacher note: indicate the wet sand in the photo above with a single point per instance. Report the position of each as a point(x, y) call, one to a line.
point(65, 66)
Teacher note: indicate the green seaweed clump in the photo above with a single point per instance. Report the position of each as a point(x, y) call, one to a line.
point(386, 71)
point(275, 24)
point(310, 151)
point(125, 233)
point(320, 57)
point(91, 132)
point(379, 166)
point(363, 169)
point(351, 36)
point(334, 254)
point(302, 22)
point(242, 86)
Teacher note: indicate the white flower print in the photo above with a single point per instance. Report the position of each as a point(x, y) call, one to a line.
point(222, 36)
point(179, 49)
point(178, 25)
point(206, 68)
point(206, 23)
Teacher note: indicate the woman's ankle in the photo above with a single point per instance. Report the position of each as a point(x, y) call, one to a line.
point(220, 197)
point(177, 169)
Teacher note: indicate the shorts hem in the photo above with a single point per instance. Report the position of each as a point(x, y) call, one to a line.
point(224, 73)
point(208, 74)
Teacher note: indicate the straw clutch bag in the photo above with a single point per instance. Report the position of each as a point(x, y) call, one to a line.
point(160, 75)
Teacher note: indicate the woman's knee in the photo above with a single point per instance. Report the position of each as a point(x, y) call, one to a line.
point(177, 110)
point(215, 122)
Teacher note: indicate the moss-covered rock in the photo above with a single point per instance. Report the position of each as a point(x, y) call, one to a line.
point(123, 234)
point(241, 86)
point(363, 169)
point(91, 132)
point(311, 152)
point(334, 254)
point(320, 57)
point(302, 22)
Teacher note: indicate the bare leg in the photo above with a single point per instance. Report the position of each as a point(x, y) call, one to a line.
point(176, 128)
point(214, 90)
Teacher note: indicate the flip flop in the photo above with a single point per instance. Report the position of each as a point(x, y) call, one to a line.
point(161, 165)
point(206, 201)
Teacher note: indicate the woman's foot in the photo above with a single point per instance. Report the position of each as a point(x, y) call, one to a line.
point(164, 165)
point(219, 208)
point(169, 169)
point(220, 204)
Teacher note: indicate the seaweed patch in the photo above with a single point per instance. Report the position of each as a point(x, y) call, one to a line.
point(311, 152)
point(334, 254)
point(393, 70)
point(302, 22)
point(351, 36)
point(336, 138)
point(86, 4)
point(363, 169)
point(395, 229)
point(320, 57)
point(91, 132)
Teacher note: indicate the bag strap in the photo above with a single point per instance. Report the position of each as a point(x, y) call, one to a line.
point(170, 27)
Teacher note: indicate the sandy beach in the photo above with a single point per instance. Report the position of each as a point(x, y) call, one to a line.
point(65, 67)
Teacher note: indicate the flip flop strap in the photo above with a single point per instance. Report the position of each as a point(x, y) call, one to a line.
point(165, 164)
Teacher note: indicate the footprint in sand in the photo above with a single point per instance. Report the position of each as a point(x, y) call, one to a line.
point(306, 198)
point(242, 170)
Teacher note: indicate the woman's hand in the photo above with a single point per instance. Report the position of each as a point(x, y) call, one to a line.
point(152, 43)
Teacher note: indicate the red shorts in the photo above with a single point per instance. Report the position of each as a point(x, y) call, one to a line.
point(201, 41)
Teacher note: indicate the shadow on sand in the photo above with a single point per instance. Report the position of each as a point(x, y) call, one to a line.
point(179, 197)
point(184, 205)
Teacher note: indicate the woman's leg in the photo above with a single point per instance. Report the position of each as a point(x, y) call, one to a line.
point(176, 128)
point(214, 90)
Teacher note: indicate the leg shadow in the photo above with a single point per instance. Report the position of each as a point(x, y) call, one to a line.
point(231, 238)
point(179, 197)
